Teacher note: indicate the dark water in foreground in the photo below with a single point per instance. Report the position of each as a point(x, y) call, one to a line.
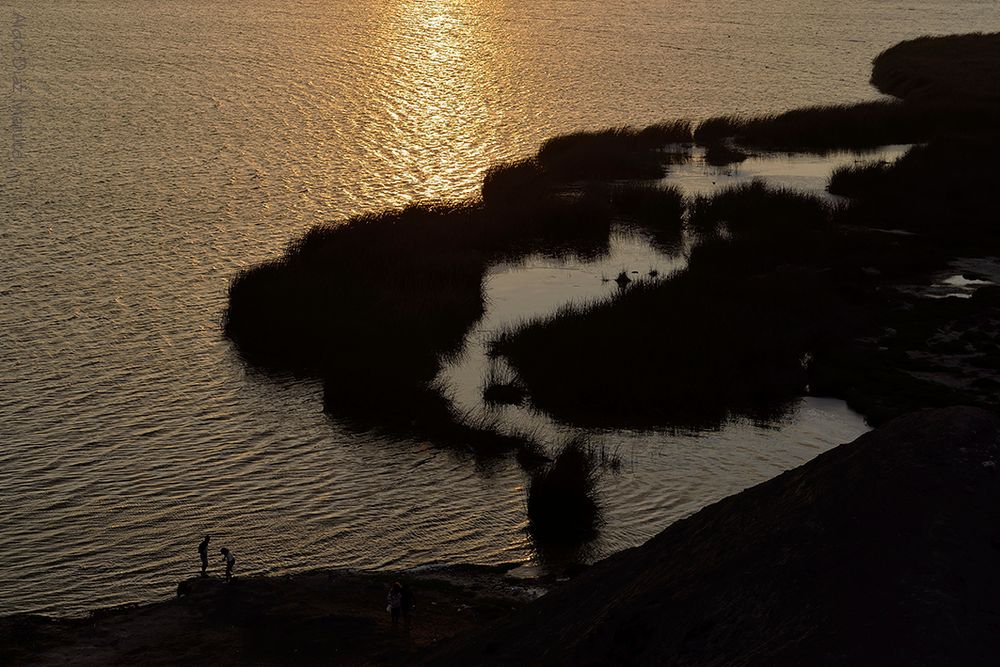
point(166, 145)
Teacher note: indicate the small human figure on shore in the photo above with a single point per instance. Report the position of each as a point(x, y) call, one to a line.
point(203, 552)
point(394, 602)
point(406, 604)
point(230, 562)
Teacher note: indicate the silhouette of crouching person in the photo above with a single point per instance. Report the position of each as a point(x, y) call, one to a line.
point(230, 562)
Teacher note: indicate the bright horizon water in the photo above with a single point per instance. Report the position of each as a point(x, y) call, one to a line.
point(153, 149)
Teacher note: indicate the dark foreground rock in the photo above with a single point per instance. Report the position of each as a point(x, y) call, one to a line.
point(883, 551)
point(321, 618)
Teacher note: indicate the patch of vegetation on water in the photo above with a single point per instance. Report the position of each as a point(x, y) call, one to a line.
point(562, 503)
point(784, 294)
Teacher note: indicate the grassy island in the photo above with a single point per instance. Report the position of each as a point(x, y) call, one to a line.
point(784, 294)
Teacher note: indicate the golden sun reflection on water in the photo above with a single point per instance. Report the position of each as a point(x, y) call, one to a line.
point(437, 97)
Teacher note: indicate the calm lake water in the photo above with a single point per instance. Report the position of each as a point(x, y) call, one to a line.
point(161, 146)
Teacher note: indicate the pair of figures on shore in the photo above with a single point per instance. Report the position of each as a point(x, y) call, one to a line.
point(226, 553)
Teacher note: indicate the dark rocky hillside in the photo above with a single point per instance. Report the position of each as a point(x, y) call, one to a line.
point(884, 551)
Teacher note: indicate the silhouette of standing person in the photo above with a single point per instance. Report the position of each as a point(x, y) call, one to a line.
point(203, 552)
point(230, 562)
point(394, 602)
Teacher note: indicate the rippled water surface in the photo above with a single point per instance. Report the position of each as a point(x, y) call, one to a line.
point(167, 144)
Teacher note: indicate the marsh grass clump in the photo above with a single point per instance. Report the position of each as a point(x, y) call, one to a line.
point(774, 221)
point(864, 125)
point(501, 387)
point(924, 68)
point(859, 126)
point(607, 458)
point(342, 296)
point(691, 350)
point(614, 153)
point(944, 190)
point(685, 352)
point(665, 133)
point(562, 507)
point(723, 155)
point(648, 205)
point(656, 210)
point(513, 185)
point(857, 180)
point(819, 128)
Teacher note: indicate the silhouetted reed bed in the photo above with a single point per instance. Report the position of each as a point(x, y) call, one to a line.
point(949, 85)
point(756, 209)
point(344, 299)
point(846, 127)
point(780, 274)
point(373, 305)
point(945, 189)
point(656, 209)
point(650, 206)
point(857, 180)
point(684, 352)
point(615, 153)
point(723, 155)
point(562, 506)
point(501, 387)
point(925, 68)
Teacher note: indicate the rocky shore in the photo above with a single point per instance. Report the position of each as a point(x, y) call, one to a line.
point(885, 550)
point(323, 617)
